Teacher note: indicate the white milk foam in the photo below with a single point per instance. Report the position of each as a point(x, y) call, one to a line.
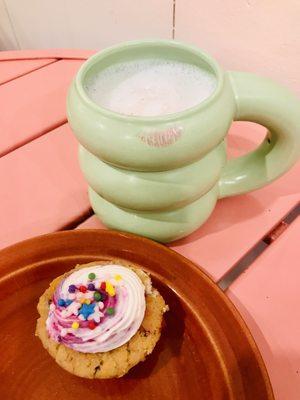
point(150, 87)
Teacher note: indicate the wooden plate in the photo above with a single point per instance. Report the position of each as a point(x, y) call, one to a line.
point(205, 352)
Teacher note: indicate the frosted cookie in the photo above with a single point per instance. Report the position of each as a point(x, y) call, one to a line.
point(100, 319)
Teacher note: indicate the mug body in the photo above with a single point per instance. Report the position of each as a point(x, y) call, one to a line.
point(163, 226)
point(149, 191)
point(153, 176)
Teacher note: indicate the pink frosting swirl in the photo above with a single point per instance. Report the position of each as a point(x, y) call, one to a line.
point(99, 314)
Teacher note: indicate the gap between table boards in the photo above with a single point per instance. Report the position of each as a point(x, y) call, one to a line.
point(247, 260)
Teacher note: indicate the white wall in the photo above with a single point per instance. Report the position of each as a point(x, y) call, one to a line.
point(7, 36)
point(91, 24)
point(262, 36)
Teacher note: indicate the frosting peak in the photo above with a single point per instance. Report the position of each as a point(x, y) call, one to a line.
point(97, 309)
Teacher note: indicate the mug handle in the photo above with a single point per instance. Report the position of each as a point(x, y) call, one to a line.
point(262, 101)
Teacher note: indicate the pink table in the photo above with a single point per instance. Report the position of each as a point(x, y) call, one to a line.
point(42, 190)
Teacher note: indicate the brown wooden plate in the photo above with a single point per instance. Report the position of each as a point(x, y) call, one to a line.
point(205, 352)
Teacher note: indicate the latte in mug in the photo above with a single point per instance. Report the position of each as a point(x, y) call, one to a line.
point(150, 87)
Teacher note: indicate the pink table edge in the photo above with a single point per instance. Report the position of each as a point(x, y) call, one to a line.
point(73, 54)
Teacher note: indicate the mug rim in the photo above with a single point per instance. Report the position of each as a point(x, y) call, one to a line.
point(146, 119)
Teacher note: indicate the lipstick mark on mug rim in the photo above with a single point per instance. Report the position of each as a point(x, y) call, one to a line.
point(161, 138)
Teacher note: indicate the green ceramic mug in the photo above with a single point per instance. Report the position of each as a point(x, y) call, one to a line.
point(160, 177)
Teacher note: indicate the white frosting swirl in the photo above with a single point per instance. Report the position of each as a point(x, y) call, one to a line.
point(111, 331)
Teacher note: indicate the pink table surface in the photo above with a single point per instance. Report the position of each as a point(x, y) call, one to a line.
point(42, 190)
point(267, 295)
